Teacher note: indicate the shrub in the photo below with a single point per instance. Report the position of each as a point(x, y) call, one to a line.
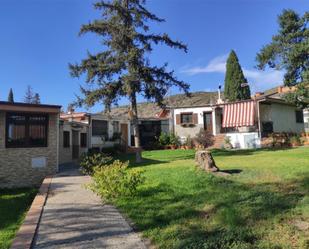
point(168, 139)
point(204, 138)
point(91, 160)
point(115, 180)
point(227, 143)
point(174, 140)
point(189, 141)
point(164, 139)
point(110, 151)
point(295, 140)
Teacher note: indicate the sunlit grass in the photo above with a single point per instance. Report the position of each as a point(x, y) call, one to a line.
point(13, 206)
point(260, 206)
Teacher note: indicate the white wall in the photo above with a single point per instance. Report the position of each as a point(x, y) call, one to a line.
point(96, 141)
point(184, 132)
point(306, 119)
point(198, 110)
point(245, 140)
point(283, 117)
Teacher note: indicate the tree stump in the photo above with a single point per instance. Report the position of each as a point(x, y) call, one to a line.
point(205, 161)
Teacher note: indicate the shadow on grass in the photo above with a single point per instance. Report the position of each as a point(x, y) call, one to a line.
point(231, 171)
point(246, 152)
point(186, 213)
point(151, 161)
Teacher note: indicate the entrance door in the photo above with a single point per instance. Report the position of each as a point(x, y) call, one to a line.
point(75, 144)
point(124, 134)
point(208, 121)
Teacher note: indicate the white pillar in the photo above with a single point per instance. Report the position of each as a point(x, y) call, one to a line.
point(129, 133)
point(214, 128)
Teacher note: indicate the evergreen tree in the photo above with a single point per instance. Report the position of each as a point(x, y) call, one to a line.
point(36, 99)
point(122, 68)
point(11, 96)
point(28, 95)
point(236, 86)
point(289, 50)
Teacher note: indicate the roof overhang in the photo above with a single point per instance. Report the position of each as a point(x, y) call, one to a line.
point(23, 107)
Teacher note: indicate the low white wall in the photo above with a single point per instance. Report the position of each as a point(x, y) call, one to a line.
point(245, 140)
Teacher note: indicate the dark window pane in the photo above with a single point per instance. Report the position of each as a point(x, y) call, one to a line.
point(83, 140)
point(26, 130)
point(186, 118)
point(66, 139)
point(37, 134)
point(299, 117)
point(100, 128)
point(116, 128)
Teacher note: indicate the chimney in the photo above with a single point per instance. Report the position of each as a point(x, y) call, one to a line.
point(219, 101)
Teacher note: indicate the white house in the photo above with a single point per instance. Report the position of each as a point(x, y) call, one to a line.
point(245, 122)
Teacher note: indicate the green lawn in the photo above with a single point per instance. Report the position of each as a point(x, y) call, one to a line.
point(13, 206)
point(263, 204)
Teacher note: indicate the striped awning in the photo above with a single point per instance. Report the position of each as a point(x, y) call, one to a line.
point(238, 114)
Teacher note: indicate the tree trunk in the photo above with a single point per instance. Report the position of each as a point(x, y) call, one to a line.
point(137, 139)
point(205, 160)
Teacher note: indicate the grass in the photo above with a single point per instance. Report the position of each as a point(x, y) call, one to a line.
point(13, 205)
point(263, 204)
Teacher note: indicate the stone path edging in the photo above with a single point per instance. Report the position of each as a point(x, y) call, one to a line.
point(26, 233)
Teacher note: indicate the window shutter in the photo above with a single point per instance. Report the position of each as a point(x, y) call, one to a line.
point(177, 119)
point(194, 118)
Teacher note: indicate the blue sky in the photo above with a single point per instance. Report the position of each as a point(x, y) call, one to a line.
point(39, 39)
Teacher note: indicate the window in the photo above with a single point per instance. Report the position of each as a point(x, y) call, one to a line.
point(186, 118)
point(299, 116)
point(267, 127)
point(83, 140)
point(100, 128)
point(66, 139)
point(26, 130)
point(116, 127)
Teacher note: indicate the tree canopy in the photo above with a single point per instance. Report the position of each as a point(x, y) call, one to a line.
point(29, 95)
point(289, 51)
point(123, 68)
point(289, 48)
point(236, 86)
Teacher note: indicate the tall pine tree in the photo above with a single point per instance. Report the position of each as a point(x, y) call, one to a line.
point(11, 96)
point(36, 99)
point(289, 50)
point(28, 95)
point(236, 86)
point(123, 68)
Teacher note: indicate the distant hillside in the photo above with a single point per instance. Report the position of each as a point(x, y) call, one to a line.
point(149, 109)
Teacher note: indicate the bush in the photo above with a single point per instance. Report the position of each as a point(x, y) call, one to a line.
point(168, 139)
point(295, 140)
point(91, 160)
point(164, 139)
point(115, 180)
point(204, 138)
point(174, 140)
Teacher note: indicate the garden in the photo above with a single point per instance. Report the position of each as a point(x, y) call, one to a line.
point(263, 202)
point(14, 204)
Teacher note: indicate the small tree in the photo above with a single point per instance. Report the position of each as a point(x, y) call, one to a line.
point(36, 99)
point(123, 68)
point(289, 51)
point(29, 95)
point(11, 96)
point(236, 86)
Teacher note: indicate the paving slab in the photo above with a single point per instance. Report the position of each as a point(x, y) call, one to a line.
point(74, 217)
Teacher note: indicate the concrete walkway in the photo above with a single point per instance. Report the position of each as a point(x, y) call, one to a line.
point(74, 217)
